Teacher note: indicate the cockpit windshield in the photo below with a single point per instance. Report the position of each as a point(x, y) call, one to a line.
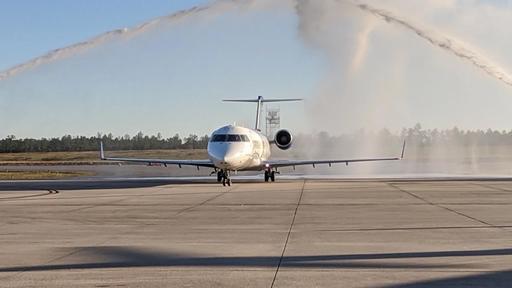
point(229, 138)
point(234, 138)
point(219, 138)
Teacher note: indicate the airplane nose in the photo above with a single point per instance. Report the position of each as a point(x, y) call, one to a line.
point(229, 157)
point(224, 155)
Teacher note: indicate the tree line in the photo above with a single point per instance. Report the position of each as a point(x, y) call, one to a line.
point(416, 135)
point(67, 143)
point(416, 138)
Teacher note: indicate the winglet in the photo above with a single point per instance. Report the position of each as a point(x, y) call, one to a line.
point(102, 153)
point(403, 151)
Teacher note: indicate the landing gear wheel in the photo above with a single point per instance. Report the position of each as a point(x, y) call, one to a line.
point(273, 176)
point(267, 176)
point(223, 176)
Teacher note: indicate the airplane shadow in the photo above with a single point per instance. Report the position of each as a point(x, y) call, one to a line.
point(498, 279)
point(125, 257)
point(94, 184)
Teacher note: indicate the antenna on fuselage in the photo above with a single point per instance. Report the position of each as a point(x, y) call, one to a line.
point(259, 101)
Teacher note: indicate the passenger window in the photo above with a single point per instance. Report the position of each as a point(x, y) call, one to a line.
point(244, 138)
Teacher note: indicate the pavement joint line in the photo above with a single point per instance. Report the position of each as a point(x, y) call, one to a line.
point(96, 205)
point(289, 233)
point(112, 196)
point(492, 187)
point(147, 224)
point(205, 201)
point(138, 195)
point(449, 209)
point(124, 197)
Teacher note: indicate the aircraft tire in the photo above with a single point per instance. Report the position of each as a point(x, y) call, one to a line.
point(273, 176)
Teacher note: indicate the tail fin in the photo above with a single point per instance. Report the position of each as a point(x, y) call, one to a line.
point(260, 102)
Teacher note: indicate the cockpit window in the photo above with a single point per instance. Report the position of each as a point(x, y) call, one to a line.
point(234, 138)
point(219, 138)
point(229, 138)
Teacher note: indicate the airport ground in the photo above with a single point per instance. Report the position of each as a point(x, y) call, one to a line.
point(166, 232)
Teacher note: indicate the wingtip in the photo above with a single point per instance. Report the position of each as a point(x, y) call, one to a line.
point(403, 151)
point(102, 153)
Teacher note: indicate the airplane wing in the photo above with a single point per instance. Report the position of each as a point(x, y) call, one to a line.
point(288, 163)
point(165, 162)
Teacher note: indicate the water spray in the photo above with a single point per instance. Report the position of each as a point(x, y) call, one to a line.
point(450, 44)
point(71, 50)
point(455, 46)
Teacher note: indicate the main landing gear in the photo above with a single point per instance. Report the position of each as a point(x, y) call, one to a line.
point(223, 176)
point(270, 175)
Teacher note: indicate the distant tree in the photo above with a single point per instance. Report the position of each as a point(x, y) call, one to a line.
point(190, 142)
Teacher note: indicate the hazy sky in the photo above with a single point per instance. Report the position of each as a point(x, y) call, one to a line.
point(354, 70)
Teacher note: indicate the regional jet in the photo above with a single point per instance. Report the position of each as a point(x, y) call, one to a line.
point(234, 148)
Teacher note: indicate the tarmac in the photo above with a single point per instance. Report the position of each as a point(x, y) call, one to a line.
point(292, 233)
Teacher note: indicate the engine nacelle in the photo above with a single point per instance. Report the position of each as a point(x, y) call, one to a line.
point(283, 139)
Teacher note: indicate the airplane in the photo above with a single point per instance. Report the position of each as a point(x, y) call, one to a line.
point(235, 148)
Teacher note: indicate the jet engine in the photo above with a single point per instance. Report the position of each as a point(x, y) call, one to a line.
point(283, 139)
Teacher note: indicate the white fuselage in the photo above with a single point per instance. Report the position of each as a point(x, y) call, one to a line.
point(238, 148)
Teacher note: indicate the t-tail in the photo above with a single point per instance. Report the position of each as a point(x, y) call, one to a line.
point(260, 102)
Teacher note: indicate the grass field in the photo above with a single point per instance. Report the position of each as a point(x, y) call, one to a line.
point(39, 175)
point(91, 157)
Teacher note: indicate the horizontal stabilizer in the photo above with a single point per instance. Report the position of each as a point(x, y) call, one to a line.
point(260, 100)
point(263, 100)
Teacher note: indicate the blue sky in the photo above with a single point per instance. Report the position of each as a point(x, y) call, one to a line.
point(171, 78)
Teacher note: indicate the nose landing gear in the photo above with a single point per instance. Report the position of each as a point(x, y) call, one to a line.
point(270, 175)
point(223, 176)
